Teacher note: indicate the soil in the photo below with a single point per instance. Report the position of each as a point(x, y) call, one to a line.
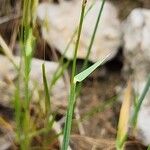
point(126, 6)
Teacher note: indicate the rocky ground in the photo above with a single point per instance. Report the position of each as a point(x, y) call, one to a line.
point(127, 35)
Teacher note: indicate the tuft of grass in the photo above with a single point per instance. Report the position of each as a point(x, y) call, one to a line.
point(22, 96)
point(80, 77)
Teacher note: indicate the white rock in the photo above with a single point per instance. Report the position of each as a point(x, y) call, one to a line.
point(7, 72)
point(137, 57)
point(143, 125)
point(60, 21)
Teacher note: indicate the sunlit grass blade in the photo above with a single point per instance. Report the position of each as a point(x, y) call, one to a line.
point(6, 50)
point(5, 124)
point(148, 147)
point(139, 103)
point(34, 11)
point(124, 118)
point(81, 76)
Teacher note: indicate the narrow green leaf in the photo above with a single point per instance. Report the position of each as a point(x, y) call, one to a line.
point(139, 103)
point(59, 73)
point(85, 64)
point(47, 95)
point(93, 36)
point(68, 121)
point(84, 74)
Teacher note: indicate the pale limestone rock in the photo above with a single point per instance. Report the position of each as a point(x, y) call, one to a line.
point(137, 57)
point(58, 23)
point(8, 73)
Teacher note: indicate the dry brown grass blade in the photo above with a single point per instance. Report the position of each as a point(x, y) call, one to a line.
point(124, 114)
point(5, 124)
point(93, 141)
point(6, 50)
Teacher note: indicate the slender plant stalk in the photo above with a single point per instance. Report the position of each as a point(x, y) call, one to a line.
point(22, 102)
point(139, 103)
point(68, 122)
point(91, 44)
point(93, 35)
point(47, 94)
point(62, 67)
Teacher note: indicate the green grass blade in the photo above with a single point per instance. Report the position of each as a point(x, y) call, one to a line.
point(93, 35)
point(58, 73)
point(73, 35)
point(140, 101)
point(17, 106)
point(85, 64)
point(148, 147)
point(84, 74)
point(46, 89)
point(68, 122)
point(78, 40)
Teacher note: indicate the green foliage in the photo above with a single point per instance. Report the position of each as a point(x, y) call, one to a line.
point(24, 123)
point(71, 102)
point(22, 97)
point(84, 74)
